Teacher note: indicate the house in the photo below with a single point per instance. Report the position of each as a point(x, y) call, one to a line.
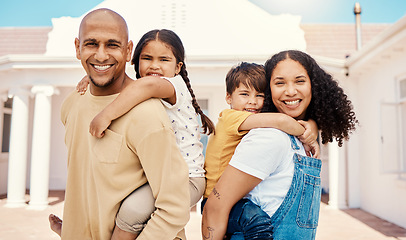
point(376, 156)
point(38, 69)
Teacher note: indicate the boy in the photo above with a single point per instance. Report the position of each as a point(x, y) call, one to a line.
point(245, 86)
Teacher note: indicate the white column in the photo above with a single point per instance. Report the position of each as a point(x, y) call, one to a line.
point(17, 170)
point(338, 176)
point(41, 145)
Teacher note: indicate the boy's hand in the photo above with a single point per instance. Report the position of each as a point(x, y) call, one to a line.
point(309, 137)
point(312, 150)
point(98, 125)
point(82, 85)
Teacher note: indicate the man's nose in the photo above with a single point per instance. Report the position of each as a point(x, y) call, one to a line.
point(101, 54)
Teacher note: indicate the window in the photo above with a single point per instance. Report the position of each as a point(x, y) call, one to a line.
point(5, 143)
point(393, 133)
point(401, 89)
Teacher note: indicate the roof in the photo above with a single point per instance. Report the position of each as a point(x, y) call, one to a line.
point(326, 40)
point(23, 40)
point(338, 40)
point(382, 49)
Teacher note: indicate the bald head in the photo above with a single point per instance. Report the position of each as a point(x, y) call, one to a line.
point(100, 17)
point(103, 49)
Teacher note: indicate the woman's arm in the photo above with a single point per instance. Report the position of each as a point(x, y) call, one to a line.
point(279, 121)
point(231, 187)
point(132, 95)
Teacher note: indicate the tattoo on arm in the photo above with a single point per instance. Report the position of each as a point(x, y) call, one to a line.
point(216, 194)
point(210, 233)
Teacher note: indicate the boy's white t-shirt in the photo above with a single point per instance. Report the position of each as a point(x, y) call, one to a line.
point(186, 127)
point(266, 153)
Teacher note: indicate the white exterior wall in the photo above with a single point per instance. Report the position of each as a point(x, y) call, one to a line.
point(382, 194)
point(349, 173)
point(58, 154)
point(358, 177)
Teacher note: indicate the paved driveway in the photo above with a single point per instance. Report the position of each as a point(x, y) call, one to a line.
point(352, 224)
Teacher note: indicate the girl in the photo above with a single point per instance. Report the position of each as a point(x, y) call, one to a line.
point(270, 168)
point(161, 73)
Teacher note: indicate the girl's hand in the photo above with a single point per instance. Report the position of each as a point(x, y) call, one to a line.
point(309, 137)
point(82, 85)
point(98, 125)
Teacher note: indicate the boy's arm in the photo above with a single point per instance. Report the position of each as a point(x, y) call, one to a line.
point(309, 137)
point(273, 120)
point(133, 94)
point(311, 131)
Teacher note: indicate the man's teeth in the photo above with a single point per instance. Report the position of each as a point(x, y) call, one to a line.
point(101, 67)
point(292, 102)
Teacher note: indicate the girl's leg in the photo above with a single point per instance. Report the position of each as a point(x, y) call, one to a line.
point(137, 208)
point(55, 223)
point(134, 213)
point(196, 187)
point(119, 234)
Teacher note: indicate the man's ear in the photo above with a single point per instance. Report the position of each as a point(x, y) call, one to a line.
point(129, 50)
point(77, 47)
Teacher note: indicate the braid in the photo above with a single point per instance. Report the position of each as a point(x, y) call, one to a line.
point(207, 124)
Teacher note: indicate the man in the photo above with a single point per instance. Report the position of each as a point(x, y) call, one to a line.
point(138, 147)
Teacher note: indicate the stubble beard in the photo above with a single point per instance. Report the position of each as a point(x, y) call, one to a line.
point(104, 85)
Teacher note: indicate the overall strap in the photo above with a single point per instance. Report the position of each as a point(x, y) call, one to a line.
point(293, 143)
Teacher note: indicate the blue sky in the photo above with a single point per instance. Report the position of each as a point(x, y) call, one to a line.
point(40, 12)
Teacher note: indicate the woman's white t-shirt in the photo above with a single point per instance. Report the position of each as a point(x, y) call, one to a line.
point(266, 153)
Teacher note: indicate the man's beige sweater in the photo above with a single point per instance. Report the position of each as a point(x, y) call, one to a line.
point(138, 147)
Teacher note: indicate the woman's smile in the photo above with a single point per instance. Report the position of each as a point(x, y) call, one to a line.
point(291, 88)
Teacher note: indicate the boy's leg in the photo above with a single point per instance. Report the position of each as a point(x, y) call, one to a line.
point(204, 200)
point(250, 220)
point(134, 213)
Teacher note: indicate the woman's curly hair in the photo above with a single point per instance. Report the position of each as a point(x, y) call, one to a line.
point(329, 105)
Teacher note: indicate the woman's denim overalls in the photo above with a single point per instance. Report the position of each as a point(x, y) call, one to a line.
point(295, 219)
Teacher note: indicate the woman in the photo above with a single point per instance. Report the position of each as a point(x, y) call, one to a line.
point(269, 167)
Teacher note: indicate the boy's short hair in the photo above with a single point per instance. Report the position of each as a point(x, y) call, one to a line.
point(252, 75)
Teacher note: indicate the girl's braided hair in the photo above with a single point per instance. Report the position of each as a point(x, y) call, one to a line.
point(171, 40)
